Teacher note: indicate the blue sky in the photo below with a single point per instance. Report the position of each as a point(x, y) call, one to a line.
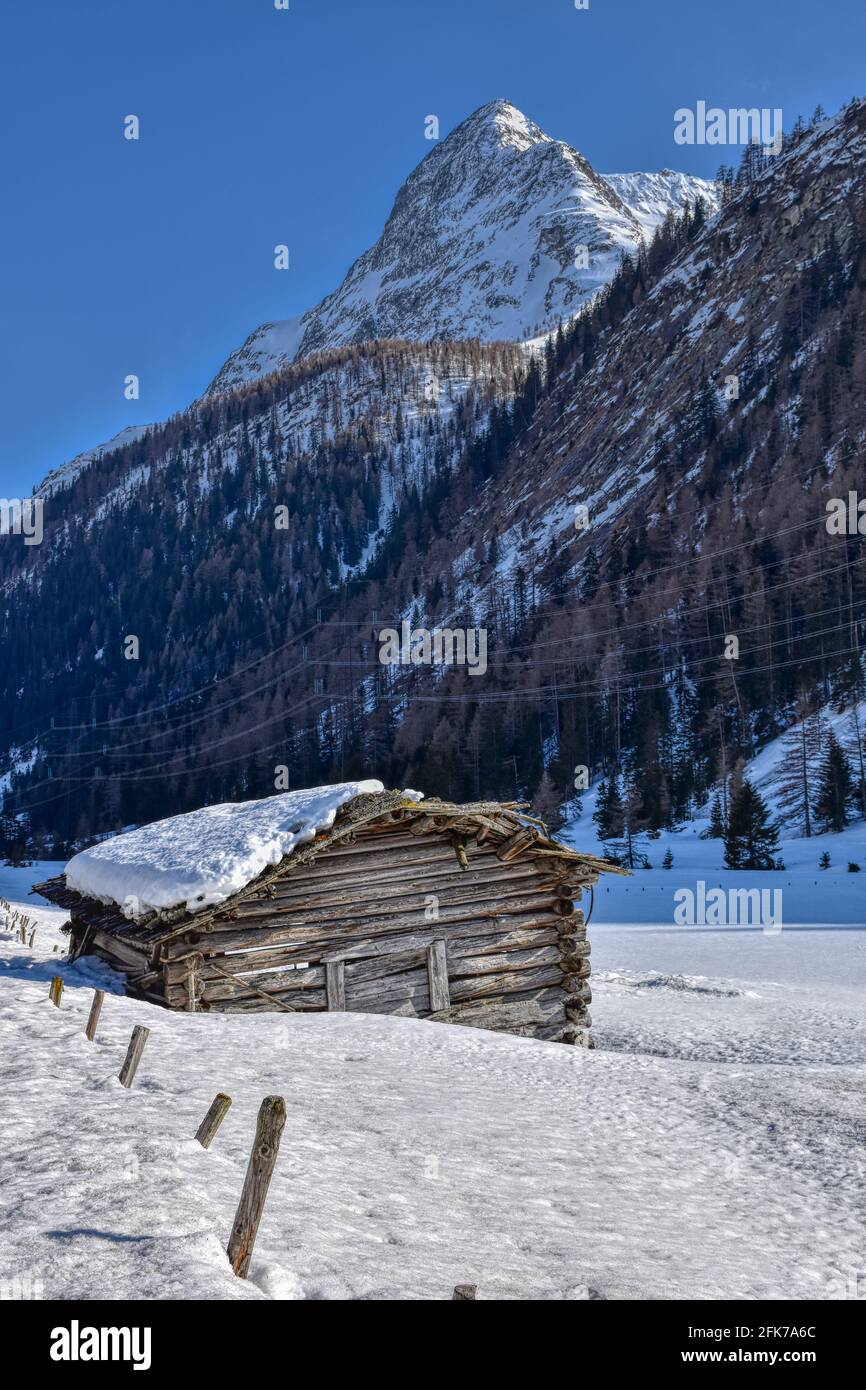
point(261, 126)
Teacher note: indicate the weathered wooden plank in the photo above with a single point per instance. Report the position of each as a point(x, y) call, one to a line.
point(263, 1156)
point(494, 941)
point(55, 990)
point(256, 966)
point(515, 845)
point(437, 974)
point(506, 982)
point(335, 985)
point(140, 1035)
point(93, 1017)
point(239, 1003)
point(219, 1108)
point(369, 905)
point(327, 933)
point(347, 891)
point(125, 954)
point(525, 1015)
point(383, 968)
point(503, 961)
point(289, 985)
point(366, 995)
point(490, 939)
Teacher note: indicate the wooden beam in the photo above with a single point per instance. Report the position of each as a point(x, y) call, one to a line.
point(437, 973)
point(263, 1157)
point(56, 990)
point(335, 985)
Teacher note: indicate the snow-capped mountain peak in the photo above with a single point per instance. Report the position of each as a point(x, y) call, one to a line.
point(499, 120)
point(499, 232)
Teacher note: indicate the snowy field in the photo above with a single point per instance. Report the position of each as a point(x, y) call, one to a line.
point(809, 894)
point(711, 1147)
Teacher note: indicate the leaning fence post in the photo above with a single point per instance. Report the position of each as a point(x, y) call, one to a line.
point(219, 1108)
point(464, 1292)
point(266, 1146)
point(90, 1030)
point(139, 1037)
point(56, 990)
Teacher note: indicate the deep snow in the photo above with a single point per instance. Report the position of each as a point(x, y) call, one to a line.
point(203, 857)
point(710, 1147)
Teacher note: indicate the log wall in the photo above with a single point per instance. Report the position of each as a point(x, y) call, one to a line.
point(515, 948)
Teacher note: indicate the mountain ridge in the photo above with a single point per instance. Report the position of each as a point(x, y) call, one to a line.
point(539, 192)
point(613, 213)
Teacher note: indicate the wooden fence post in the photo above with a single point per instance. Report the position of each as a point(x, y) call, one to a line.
point(140, 1035)
point(219, 1108)
point(266, 1146)
point(335, 984)
point(464, 1292)
point(437, 974)
point(56, 990)
point(90, 1030)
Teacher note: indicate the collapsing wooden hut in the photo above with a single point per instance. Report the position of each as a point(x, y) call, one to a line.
point(385, 903)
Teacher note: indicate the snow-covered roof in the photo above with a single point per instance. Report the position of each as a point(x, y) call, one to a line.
point(202, 858)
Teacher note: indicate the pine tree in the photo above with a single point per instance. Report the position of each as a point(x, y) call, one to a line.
point(751, 839)
point(855, 746)
point(802, 746)
point(836, 787)
point(608, 814)
point(668, 861)
point(717, 819)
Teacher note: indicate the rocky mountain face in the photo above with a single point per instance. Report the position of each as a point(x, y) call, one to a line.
point(610, 511)
point(500, 232)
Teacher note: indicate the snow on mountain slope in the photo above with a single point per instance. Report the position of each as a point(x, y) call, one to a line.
point(396, 402)
point(705, 1150)
point(483, 240)
point(650, 197)
point(266, 350)
point(67, 472)
point(711, 312)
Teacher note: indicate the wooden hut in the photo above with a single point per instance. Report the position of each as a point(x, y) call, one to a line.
point(459, 914)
